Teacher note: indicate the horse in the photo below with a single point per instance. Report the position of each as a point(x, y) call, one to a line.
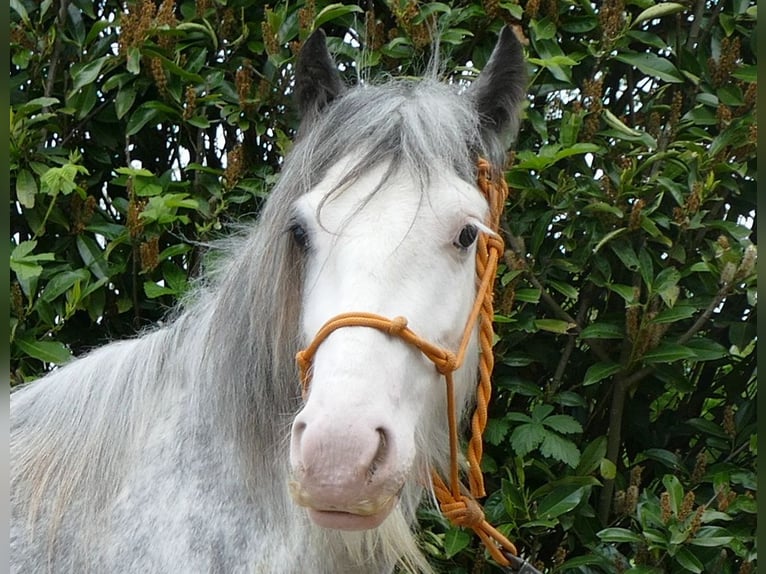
point(190, 448)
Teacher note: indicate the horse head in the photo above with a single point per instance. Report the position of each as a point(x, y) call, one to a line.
point(389, 229)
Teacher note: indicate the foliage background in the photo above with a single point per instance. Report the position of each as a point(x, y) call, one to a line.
point(622, 433)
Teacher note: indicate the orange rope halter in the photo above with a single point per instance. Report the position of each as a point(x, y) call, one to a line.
point(460, 508)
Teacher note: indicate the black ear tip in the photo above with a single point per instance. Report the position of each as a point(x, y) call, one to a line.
point(511, 40)
point(317, 39)
point(507, 35)
point(315, 44)
point(317, 81)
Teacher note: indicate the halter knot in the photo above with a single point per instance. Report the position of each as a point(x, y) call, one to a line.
point(464, 512)
point(446, 364)
point(396, 326)
point(496, 243)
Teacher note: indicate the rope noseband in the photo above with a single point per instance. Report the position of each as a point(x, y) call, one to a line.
point(458, 506)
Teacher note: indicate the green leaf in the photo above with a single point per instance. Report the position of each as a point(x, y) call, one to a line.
point(455, 540)
point(146, 186)
point(591, 456)
point(19, 8)
point(579, 24)
point(658, 11)
point(134, 60)
point(712, 536)
point(559, 65)
point(25, 263)
point(607, 469)
point(512, 496)
point(707, 349)
point(677, 313)
point(669, 459)
point(667, 352)
point(163, 208)
point(600, 371)
point(87, 74)
point(625, 291)
point(689, 561)
point(540, 412)
point(36, 104)
point(62, 282)
point(569, 399)
point(658, 538)
point(47, 351)
point(199, 122)
point(23, 249)
point(708, 427)
point(139, 118)
point(603, 331)
point(564, 288)
point(153, 290)
point(564, 424)
point(626, 254)
point(61, 179)
point(666, 279)
point(495, 431)
point(675, 490)
point(527, 437)
point(608, 237)
point(544, 29)
point(747, 73)
point(603, 207)
point(334, 11)
point(26, 188)
point(560, 501)
point(616, 123)
point(615, 534)
point(645, 266)
point(26, 271)
point(559, 448)
point(570, 128)
point(554, 325)
point(204, 29)
point(124, 101)
point(92, 256)
point(652, 65)
point(174, 250)
point(528, 295)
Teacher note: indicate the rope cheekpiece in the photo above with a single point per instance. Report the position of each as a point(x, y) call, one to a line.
point(458, 506)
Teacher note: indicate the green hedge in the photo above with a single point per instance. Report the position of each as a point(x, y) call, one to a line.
point(622, 432)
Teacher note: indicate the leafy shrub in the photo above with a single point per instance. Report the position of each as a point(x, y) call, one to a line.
point(622, 432)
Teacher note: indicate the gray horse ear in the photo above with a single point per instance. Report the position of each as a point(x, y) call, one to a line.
point(317, 81)
point(500, 89)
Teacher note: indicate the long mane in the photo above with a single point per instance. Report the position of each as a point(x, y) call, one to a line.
point(228, 355)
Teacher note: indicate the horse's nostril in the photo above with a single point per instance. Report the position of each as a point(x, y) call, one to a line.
point(381, 454)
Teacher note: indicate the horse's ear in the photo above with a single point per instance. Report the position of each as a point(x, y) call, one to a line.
point(500, 89)
point(317, 81)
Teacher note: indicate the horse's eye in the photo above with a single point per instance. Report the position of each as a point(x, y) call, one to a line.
point(467, 236)
point(300, 235)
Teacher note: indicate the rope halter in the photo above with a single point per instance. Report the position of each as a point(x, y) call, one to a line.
point(458, 506)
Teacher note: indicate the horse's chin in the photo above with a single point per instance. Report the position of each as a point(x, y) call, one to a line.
point(349, 521)
point(341, 513)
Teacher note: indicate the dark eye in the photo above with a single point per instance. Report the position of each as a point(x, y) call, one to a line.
point(467, 236)
point(300, 235)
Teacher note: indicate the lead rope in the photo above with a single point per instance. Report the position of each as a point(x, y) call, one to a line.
point(459, 507)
